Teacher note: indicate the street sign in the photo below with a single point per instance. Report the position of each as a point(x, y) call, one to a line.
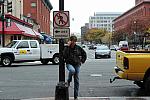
point(61, 19)
point(61, 33)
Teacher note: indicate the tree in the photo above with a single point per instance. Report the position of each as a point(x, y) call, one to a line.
point(95, 35)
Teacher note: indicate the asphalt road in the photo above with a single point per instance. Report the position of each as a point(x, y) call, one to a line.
point(33, 80)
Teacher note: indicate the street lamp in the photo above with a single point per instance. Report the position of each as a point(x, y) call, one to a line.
point(135, 32)
point(134, 40)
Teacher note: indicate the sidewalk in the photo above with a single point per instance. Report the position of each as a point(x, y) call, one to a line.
point(96, 98)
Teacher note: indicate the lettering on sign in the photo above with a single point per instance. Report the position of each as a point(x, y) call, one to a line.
point(61, 32)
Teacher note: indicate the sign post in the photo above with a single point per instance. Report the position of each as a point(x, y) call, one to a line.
point(60, 22)
point(3, 19)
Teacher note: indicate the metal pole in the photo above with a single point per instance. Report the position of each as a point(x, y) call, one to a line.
point(109, 40)
point(3, 28)
point(61, 5)
point(61, 61)
point(134, 40)
point(61, 48)
point(61, 92)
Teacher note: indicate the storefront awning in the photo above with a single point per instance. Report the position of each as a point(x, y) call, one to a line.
point(16, 28)
point(27, 31)
point(38, 35)
point(13, 29)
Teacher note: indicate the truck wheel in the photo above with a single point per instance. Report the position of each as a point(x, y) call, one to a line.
point(139, 84)
point(44, 61)
point(95, 56)
point(55, 60)
point(6, 61)
point(147, 84)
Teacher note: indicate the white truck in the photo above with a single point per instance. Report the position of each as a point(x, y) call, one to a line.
point(29, 50)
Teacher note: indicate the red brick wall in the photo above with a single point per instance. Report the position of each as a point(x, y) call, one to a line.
point(41, 14)
point(140, 13)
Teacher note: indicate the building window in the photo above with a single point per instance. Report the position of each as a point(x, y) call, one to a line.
point(19, 37)
point(33, 4)
point(12, 38)
point(15, 37)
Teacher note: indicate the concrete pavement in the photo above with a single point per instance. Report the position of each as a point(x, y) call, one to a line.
point(96, 98)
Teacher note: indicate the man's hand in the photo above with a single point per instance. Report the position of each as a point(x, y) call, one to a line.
point(69, 43)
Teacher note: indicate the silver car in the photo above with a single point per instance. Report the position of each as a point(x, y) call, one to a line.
point(102, 51)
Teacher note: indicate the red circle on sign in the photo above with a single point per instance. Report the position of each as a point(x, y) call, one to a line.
point(58, 15)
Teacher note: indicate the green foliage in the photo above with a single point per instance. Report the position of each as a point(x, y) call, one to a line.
point(95, 35)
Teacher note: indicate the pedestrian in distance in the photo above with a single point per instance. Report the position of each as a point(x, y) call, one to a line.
point(74, 56)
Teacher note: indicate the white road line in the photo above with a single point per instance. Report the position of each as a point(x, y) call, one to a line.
point(96, 75)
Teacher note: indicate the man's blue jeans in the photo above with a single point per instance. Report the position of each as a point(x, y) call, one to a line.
point(74, 71)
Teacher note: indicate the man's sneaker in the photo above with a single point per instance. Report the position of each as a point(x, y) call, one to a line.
point(76, 98)
point(68, 83)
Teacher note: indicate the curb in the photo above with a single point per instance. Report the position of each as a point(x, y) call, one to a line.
point(95, 98)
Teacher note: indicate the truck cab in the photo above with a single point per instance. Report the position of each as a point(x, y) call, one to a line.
point(123, 45)
point(24, 50)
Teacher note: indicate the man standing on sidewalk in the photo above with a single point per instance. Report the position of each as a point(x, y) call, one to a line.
point(74, 56)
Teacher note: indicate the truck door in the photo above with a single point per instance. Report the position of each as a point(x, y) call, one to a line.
point(35, 50)
point(23, 51)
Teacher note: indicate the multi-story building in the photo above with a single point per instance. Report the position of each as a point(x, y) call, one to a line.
point(84, 30)
point(133, 22)
point(26, 19)
point(103, 20)
point(39, 11)
point(36, 12)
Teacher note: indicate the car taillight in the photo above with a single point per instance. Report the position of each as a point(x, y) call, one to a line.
point(126, 63)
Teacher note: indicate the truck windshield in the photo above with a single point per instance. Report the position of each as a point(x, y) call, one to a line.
point(12, 44)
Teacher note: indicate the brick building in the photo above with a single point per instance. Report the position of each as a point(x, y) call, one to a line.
point(39, 11)
point(27, 19)
point(134, 21)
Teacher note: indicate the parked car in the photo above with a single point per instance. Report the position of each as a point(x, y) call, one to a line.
point(91, 47)
point(102, 51)
point(85, 47)
point(114, 47)
point(139, 47)
point(147, 47)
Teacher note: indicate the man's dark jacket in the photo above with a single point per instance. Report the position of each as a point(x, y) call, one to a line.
point(74, 56)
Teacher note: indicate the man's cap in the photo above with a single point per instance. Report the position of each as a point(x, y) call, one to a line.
point(73, 38)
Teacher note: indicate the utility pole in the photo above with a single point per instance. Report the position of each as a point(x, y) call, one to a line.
point(61, 92)
point(3, 28)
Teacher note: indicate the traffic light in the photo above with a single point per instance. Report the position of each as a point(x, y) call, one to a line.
point(9, 7)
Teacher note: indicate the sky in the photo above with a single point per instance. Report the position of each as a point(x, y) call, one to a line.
point(81, 10)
